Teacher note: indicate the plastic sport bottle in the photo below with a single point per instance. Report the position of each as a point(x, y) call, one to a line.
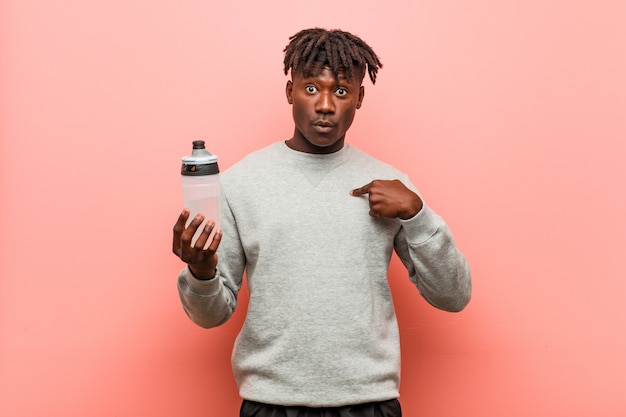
point(201, 186)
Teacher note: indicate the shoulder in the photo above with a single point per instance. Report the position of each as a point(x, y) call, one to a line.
point(254, 161)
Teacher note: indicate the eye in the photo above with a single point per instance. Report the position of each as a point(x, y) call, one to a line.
point(310, 89)
point(341, 92)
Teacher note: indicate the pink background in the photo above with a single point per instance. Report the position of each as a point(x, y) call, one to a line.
point(510, 116)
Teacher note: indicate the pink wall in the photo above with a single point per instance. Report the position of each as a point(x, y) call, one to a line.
point(510, 116)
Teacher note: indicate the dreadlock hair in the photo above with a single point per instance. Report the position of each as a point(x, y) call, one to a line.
point(310, 50)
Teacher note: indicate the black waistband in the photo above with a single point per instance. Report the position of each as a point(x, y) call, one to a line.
point(389, 408)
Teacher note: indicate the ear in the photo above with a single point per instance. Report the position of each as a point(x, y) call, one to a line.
point(289, 91)
point(361, 96)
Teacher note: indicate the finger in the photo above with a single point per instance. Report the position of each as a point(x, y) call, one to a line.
point(204, 236)
point(362, 190)
point(190, 230)
point(179, 228)
point(215, 243)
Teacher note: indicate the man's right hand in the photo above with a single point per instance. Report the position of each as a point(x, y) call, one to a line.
point(202, 262)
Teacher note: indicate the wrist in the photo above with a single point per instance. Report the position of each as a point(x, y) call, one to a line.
point(202, 275)
point(412, 211)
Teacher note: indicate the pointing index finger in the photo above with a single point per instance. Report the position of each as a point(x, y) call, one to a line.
point(362, 190)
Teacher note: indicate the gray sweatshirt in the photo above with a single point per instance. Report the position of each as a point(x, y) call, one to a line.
point(321, 328)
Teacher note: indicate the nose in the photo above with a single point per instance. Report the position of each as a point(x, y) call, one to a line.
point(325, 103)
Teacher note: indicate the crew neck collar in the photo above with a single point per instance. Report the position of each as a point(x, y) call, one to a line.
point(337, 156)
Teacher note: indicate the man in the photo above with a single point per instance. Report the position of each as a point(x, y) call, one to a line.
point(313, 222)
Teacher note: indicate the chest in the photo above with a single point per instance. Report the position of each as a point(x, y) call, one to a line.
point(292, 212)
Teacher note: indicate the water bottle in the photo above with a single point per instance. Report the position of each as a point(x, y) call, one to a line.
point(201, 186)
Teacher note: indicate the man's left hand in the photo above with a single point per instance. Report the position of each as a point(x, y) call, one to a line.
point(390, 198)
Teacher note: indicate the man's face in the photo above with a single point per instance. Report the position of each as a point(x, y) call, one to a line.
point(322, 110)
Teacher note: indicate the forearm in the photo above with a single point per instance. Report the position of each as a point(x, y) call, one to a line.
point(435, 264)
point(208, 303)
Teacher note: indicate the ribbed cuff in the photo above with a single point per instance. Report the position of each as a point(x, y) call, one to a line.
point(422, 226)
point(202, 286)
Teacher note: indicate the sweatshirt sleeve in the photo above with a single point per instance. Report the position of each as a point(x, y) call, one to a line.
point(438, 269)
point(210, 303)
